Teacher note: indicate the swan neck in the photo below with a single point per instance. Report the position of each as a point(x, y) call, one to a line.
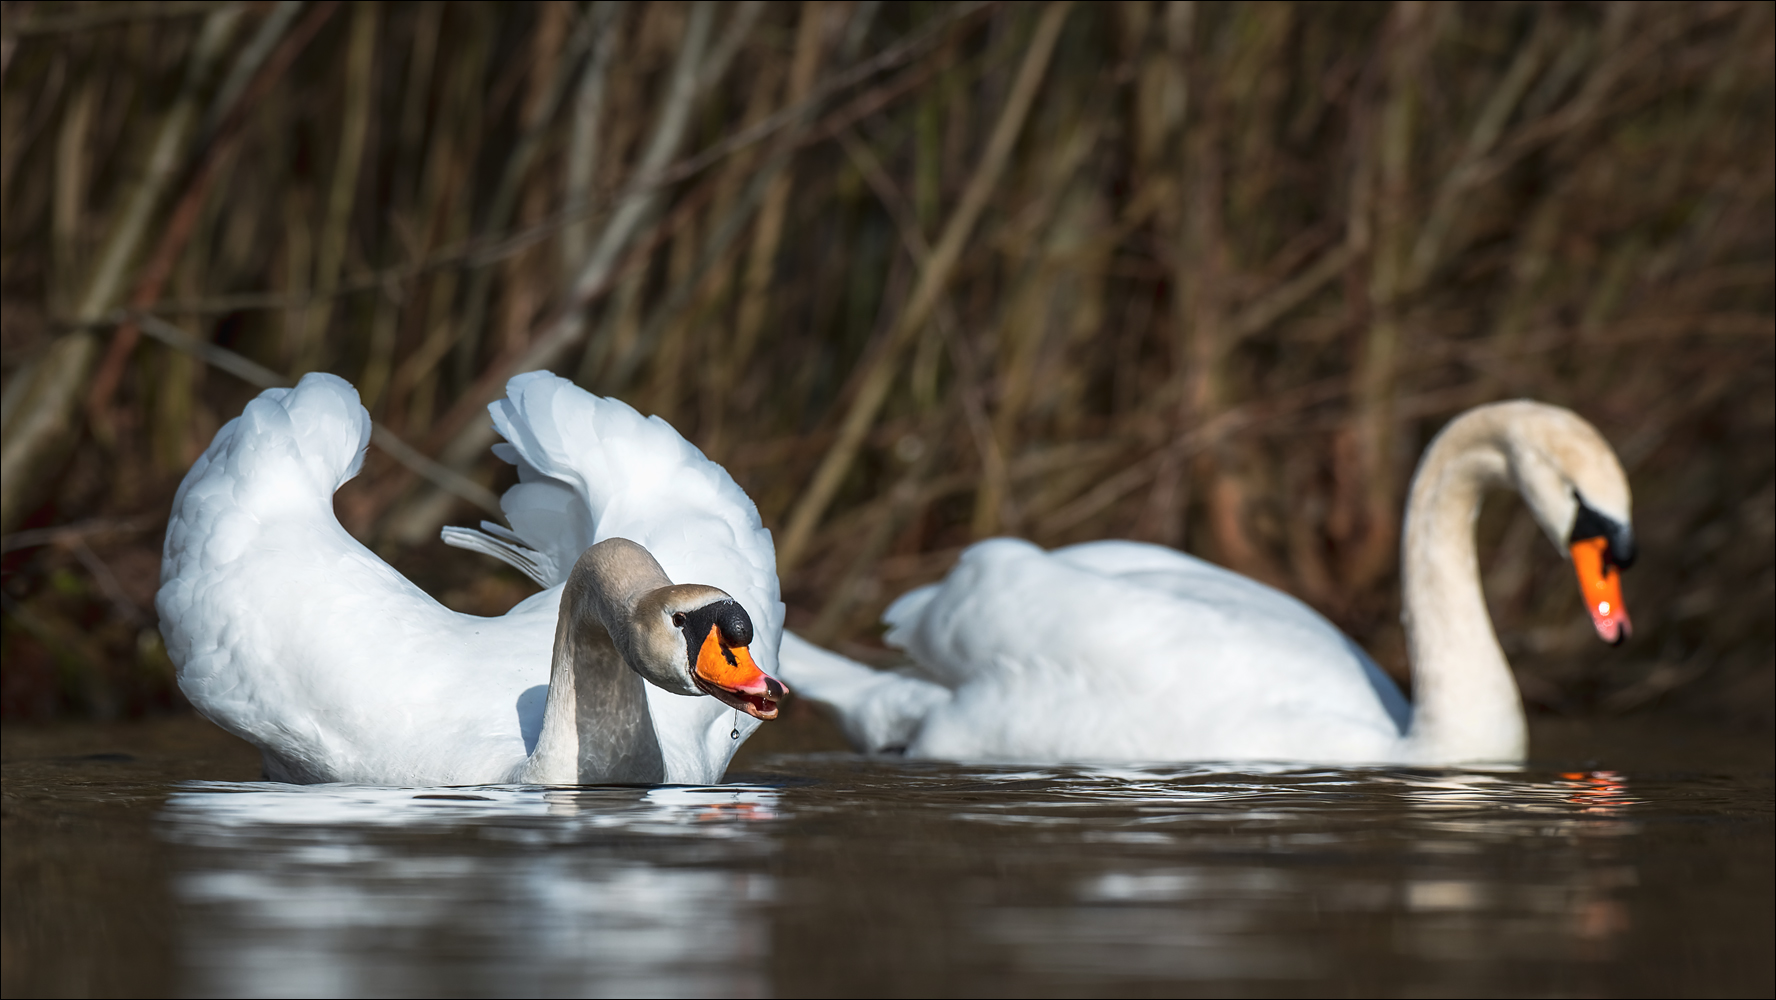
point(596, 724)
point(1466, 707)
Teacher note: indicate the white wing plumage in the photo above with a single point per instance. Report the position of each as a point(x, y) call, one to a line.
point(591, 468)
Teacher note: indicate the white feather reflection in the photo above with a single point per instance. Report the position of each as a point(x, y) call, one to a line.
point(1275, 849)
point(336, 890)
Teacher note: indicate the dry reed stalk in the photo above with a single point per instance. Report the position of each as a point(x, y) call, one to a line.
point(691, 72)
point(342, 192)
point(692, 254)
point(19, 137)
point(246, 67)
point(1372, 461)
point(385, 324)
point(554, 60)
point(904, 499)
point(1163, 99)
point(583, 144)
point(110, 271)
point(447, 184)
point(522, 278)
point(44, 398)
point(9, 40)
point(1244, 94)
point(761, 256)
point(633, 208)
point(71, 178)
point(906, 51)
point(172, 390)
point(1023, 326)
point(185, 214)
point(873, 389)
point(695, 297)
point(701, 273)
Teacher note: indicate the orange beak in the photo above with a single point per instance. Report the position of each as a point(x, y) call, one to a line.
point(1601, 585)
point(728, 673)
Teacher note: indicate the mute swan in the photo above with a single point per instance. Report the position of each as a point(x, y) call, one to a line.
point(290, 634)
point(1121, 650)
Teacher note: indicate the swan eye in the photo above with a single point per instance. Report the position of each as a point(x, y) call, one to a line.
point(678, 619)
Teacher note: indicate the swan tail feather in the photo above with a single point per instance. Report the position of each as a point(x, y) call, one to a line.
point(878, 710)
point(269, 474)
point(511, 550)
point(287, 453)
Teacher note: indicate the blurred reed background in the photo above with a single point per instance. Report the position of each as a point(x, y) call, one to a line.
point(1208, 274)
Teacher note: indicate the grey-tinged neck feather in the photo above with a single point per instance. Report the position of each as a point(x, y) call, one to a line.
point(596, 726)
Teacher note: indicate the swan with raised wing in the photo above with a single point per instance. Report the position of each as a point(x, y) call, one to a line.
point(1119, 650)
point(289, 633)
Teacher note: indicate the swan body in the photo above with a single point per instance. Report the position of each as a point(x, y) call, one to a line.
point(1118, 650)
point(289, 633)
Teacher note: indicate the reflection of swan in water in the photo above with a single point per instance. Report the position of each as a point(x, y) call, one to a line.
point(1123, 874)
point(292, 635)
point(342, 890)
point(1118, 650)
point(1474, 874)
point(205, 807)
point(340, 920)
point(1568, 803)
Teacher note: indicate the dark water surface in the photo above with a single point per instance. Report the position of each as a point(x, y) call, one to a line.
point(1633, 859)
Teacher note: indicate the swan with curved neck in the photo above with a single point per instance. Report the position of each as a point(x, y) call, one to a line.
point(623, 624)
point(289, 633)
point(1466, 703)
point(1122, 650)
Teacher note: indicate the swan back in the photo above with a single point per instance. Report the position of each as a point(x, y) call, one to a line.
point(1121, 650)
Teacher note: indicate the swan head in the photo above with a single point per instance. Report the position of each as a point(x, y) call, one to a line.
point(1575, 486)
point(691, 639)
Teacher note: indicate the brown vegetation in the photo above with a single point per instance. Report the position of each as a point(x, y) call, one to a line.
point(1208, 274)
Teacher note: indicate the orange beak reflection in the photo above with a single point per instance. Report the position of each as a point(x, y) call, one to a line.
point(728, 673)
point(1601, 585)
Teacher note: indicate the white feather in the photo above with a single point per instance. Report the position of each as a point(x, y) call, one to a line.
point(1075, 655)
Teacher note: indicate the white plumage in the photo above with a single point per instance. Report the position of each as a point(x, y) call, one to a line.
point(1107, 651)
point(291, 634)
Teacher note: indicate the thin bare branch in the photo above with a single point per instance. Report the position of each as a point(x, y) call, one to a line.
point(248, 370)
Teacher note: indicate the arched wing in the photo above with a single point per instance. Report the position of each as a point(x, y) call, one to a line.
point(591, 468)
